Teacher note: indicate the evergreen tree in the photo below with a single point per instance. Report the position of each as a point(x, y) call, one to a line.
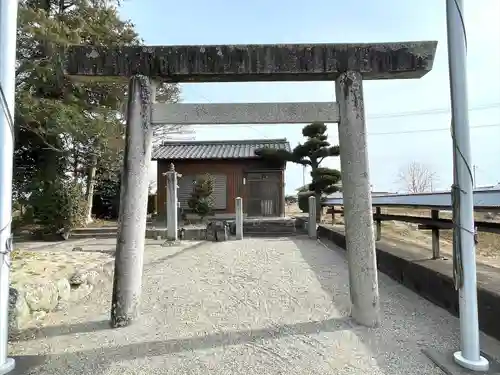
point(66, 130)
point(201, 200)
point(312, 153)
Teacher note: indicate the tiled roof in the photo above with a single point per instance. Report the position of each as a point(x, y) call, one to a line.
point(216, 149)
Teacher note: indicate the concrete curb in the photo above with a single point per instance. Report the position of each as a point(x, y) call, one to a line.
point(431, 279)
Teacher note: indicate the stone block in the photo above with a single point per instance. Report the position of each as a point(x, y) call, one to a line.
point(77, 279)
point(169, 243)
point(92, 277)
point(210, 232)
point(19, 311)
point(63, 289)
point(194, 234)
point(81, 292)
point(41, 296)
point(222, 234)
point(39, 315)
point(217, 230)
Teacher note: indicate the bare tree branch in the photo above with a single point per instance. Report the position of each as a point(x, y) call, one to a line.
point(416, 178)
point(172, 132)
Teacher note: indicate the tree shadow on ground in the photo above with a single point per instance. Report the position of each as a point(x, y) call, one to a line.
point(408, 322)
point(176, 254)
point(88, 361)
point(60, 330)
point(330, 269)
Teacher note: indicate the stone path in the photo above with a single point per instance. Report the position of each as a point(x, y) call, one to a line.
point(258, 306)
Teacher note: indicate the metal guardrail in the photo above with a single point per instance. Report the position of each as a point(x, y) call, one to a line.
point(485, 200)
point(488, 200)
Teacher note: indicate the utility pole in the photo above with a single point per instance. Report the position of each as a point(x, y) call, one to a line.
point(469, 355)
point(8, 31)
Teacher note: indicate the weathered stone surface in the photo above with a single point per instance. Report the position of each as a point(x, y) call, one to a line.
point(78, 278)
point(222, 234)
point(311, 220)
point(169, 243)
point(230, 63)
point(41, 296)
point(63, 305)
point(268, 227)
point(194, 233)
point(40, 280)
point(210, 232)
point(81, 292)
point(172, 209)
point(217, 230)
point(63, 289)
point(85, 277)
point(357, 199)
point(39, 315)
point(19, 311)
point(92, 277)
point(244, 113)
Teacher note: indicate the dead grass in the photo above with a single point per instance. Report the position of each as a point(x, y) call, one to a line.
point(34, 267)
point(394, 232)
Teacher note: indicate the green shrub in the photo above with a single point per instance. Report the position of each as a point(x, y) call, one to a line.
point(304, 200)
point(201, 201)
point(58, 205)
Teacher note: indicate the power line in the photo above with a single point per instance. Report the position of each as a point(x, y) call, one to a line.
point(487, 174)
point(433, 130)
point(418, 112)
point(422, 112)
point(415, 131)
point(384, 116)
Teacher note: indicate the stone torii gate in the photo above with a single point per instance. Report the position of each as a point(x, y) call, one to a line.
point(346, 64)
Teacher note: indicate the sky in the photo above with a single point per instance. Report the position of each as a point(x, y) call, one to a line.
point(397, 135)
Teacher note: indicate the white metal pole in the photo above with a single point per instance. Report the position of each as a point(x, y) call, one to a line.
point(469, 355)
point(8, 29)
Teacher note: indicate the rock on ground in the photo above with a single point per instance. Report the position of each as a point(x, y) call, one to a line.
point(257, 306)
point(43, 281)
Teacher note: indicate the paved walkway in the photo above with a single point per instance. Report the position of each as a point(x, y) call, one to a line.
point(258, 306)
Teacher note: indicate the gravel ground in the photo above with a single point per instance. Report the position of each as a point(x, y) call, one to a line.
point(258, 306)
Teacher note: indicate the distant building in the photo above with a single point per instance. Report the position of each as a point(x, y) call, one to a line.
point(487, 187)
point(338, 194)
point(237, 171)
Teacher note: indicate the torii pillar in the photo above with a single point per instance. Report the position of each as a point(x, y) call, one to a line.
point(347, 64)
